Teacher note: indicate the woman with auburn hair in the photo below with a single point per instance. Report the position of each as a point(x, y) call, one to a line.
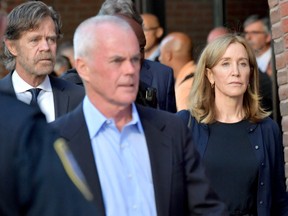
point(240, 145)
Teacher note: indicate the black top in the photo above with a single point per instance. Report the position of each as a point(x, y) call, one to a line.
point(232, 166)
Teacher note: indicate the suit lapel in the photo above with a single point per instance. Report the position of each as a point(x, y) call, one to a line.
point(160, 153)
point(61, 99)
point(6, 85)
point(79, 142)
point(146, 75)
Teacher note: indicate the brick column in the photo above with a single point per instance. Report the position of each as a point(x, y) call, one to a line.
point(279, 21)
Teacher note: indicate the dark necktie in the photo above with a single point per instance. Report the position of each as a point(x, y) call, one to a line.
point(34, 92)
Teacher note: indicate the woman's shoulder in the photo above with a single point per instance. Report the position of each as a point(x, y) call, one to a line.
point(268, 123)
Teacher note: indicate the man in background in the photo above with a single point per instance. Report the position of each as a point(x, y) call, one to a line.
point(156, 79)
point(216, 32)
point(257, 33)
point(176, 52)
point(153, 34)
point(30, 43)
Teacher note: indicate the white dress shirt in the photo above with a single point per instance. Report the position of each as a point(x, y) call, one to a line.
point(264, 60)
point(45, 98)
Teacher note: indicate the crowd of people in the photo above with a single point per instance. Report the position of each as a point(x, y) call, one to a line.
point(124, 121)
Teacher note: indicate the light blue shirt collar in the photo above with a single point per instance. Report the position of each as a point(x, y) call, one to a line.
point(91, 113)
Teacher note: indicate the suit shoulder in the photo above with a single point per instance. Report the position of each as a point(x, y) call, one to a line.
point(158, 65)
point(61, 83)
point(157, 114)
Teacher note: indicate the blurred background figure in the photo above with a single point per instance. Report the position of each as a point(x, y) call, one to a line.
point(257, 33)
point(176, 52)
point(39, 175)
point(153, 34)
point(62, 65)
point(67, 49)
point(217, 32)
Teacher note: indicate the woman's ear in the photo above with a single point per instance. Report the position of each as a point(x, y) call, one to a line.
point(210, 76)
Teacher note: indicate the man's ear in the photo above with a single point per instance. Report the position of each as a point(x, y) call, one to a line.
point(210, 76)
point(159, 32)
point(268, 38)
point(11, 46)
point(82, 69)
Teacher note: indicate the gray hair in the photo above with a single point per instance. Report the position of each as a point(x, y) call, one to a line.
point(256, 18)
point(87, 32)
point(123, 7)
point(23, 18)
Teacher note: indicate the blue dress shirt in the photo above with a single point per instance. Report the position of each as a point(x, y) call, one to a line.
point(123, 164)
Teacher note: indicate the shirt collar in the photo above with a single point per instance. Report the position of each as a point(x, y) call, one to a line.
point(91, 113)
point(21, 86)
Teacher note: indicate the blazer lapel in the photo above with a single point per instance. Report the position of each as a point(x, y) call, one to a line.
point(6, 84)
point(160, 153)
point(80, 145)
point(146, 75)
point(60, 98)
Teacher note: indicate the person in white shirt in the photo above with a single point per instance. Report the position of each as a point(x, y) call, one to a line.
point(30, 43)
point(257, 33)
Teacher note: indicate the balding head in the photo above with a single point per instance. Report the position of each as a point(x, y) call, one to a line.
point(179, 44)
point(176, 51)
point(217, 32)
point(97, 29)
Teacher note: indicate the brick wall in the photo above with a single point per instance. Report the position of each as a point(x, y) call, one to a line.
point(279, 20)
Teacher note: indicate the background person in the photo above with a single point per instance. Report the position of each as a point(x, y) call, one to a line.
point(176, 52)
point(30, 42)
point(240, 145)
point(153, 34)
point(33, 179)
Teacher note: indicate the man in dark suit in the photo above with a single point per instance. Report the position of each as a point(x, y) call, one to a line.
point(33, 180)
point(153, 74)
point(30, 51)
point(136, 160)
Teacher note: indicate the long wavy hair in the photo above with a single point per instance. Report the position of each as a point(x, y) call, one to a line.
point(202, 94)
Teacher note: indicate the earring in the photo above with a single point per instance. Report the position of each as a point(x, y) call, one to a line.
point(212, 85)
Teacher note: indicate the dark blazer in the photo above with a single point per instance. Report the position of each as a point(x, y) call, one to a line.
point(33, 181)
point(179, 181)
point(266, 140)
point(66, 95)
point(152, 74)
point(160, 77)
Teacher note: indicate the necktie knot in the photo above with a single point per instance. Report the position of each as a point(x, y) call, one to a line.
point(34, 92)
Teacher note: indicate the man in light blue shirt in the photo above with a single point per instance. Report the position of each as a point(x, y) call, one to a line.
point(136, 160)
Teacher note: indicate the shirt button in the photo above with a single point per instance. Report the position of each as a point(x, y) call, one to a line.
point(261, 183)
point(108, 121)
point(134, 206)
point(256, 147)
point(261, 202)
point(129, 176)
point(262, 164)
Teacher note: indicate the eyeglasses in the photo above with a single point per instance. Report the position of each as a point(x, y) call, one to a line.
point(150, 29)
point(254, 33)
